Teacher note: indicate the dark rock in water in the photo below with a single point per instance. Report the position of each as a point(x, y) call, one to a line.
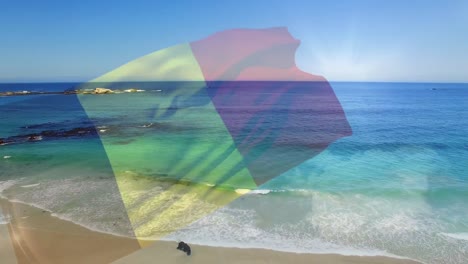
point(51, 134)
point(85, 128)
point(35, 137)
point(80, 131)
point(184, 247)
point(20, 93)
point(5, 141)
point(75, 132)
point(66, 92)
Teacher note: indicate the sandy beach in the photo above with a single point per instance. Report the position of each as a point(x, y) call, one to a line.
point(38, 237)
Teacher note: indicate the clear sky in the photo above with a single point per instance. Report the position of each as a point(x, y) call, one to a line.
point(342, 40)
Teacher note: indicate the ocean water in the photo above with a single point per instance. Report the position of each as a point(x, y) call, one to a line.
point(397, 186)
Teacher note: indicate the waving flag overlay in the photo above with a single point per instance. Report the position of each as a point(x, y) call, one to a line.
point(235, 80)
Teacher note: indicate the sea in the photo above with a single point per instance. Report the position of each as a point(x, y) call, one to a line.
point(396, 186)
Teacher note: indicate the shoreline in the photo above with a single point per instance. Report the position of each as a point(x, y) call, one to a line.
point(38, 236)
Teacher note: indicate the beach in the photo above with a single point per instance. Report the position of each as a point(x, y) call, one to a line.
point(39, 237)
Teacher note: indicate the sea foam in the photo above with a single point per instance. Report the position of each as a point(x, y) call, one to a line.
point(461, 236)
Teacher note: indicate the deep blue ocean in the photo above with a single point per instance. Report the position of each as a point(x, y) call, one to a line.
point(397, 186)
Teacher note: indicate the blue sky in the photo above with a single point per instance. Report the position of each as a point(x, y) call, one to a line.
point(341, 40)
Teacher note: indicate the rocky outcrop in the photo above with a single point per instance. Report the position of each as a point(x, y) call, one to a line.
point(18, 93)
point(50, 134)
point(98, 90)
point(102, 91)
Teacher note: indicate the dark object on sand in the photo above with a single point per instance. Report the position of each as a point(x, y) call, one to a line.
point(184, 247)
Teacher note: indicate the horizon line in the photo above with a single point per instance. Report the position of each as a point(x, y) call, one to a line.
point(330, 81)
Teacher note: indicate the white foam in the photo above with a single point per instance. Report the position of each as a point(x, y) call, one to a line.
point(147, 125)
point(320, 222)
point(249, 191)
point(461, 236)
point(91, 227)
point(260, 191)
point(79, 200)
point(4, 219)
point(4, 185)
point(217, 230)
point(29, 204)
point(312, 222)
point(62, 217)
point(30, 185)
point(6, 157)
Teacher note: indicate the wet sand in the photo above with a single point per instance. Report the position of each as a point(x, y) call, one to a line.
point(35, 236)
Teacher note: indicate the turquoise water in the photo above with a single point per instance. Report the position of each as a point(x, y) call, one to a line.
point(398, 186)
